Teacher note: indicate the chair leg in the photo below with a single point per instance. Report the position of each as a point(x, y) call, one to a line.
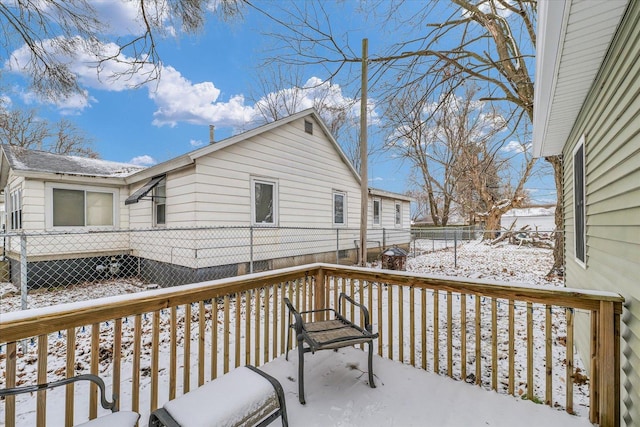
point(301, 372)
point(371, 382)
point(286, 355)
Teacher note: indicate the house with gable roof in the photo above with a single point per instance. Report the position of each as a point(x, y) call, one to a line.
point(288, 174)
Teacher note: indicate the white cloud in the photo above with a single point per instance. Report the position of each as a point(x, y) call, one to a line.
point(120, 18)
point(144, 160)
point(177, 99)
point(180, 100)
point(516, 147)
point(195, 143)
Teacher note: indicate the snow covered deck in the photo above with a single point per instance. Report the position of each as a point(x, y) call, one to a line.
point(338, 395)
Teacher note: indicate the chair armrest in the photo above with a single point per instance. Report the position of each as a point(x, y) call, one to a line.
point(299, 323)
point(47, 386)
point(365, 310)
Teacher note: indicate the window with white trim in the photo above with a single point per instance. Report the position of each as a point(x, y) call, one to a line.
point(15, 210)
point(339, 208)
point(377, 204)
point(264, 205)
point(75, 206)
point(579, 193)
point(159, 198)
point(398, 212)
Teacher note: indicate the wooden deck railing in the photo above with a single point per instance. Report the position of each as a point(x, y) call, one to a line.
point(153, 346)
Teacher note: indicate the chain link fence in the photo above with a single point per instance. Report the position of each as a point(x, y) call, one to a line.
point(175, 256)
point(432, 239)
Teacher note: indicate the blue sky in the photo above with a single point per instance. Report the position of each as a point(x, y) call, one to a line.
point(206, 79)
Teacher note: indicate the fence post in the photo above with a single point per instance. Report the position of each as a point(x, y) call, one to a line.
point(455, 248)
point(251, 249)
point(23, 271)
point(337, 246)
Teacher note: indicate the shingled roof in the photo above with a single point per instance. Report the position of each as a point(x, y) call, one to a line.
point(22, 159)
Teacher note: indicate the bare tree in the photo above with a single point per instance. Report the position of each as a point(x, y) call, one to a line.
point(24, 128)
point(453, 142)
point(283, 91)
point(66, 138)
point(52, 31)
point(489, 41)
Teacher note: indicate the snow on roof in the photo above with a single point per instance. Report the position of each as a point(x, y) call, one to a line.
point(23, 159)
point(538, 211)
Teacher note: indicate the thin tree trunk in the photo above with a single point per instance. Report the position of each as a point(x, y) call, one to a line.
point(558, 249)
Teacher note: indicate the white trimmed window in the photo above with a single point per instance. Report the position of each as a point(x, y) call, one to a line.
point(579, 193)
point(377, 211)
point(15, 210)
point(77, 206)
point(339, 208)
point(264, 202)
point(398, 213)
point(159, 198)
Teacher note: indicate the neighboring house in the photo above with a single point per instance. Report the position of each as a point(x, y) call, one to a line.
point(290, 173)
point(389, 220)
point(539, 218)
point(587, 109)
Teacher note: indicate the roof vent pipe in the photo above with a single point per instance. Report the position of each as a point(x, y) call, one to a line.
point(212, 129)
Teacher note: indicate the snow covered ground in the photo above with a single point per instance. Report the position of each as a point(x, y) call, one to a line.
point(336, 391)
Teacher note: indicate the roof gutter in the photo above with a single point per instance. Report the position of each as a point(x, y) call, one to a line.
point(553, 17)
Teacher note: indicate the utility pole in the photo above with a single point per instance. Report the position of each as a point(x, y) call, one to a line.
point(364, 181)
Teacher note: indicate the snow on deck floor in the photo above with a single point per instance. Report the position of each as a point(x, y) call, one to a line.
point(338, 394)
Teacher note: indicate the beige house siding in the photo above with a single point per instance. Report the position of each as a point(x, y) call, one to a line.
point(610, 125)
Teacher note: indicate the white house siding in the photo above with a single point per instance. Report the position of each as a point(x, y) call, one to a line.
point(58, 245)
point(181, 196)
point(307, 170)
point(387, 233)
point(610, 124)
point(180, 212)
point(306, 167)
point(217, 193)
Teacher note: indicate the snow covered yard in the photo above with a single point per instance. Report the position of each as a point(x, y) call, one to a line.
point(475, 260)
point(337, 394)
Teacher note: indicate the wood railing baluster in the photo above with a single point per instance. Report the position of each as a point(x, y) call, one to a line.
point(494, 344)
point(449, 335)
point(70, 372)
point(41, 396)
point(94, 361)
point(201, 341)
point(155, 355)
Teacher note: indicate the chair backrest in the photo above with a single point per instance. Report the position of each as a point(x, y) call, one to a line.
point(106, 404)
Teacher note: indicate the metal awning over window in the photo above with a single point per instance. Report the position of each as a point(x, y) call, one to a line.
point(144, 190)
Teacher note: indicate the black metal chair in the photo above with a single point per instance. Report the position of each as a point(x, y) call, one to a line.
point(124, 418)
point(331, 334)
point(258, 407)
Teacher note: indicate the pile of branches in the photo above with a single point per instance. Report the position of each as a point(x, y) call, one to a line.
point(525, 236)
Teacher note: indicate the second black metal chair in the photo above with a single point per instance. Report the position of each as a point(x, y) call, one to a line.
point(329, 334)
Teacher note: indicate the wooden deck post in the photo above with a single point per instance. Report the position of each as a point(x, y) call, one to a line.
point(319, 293)
point(608, 374)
